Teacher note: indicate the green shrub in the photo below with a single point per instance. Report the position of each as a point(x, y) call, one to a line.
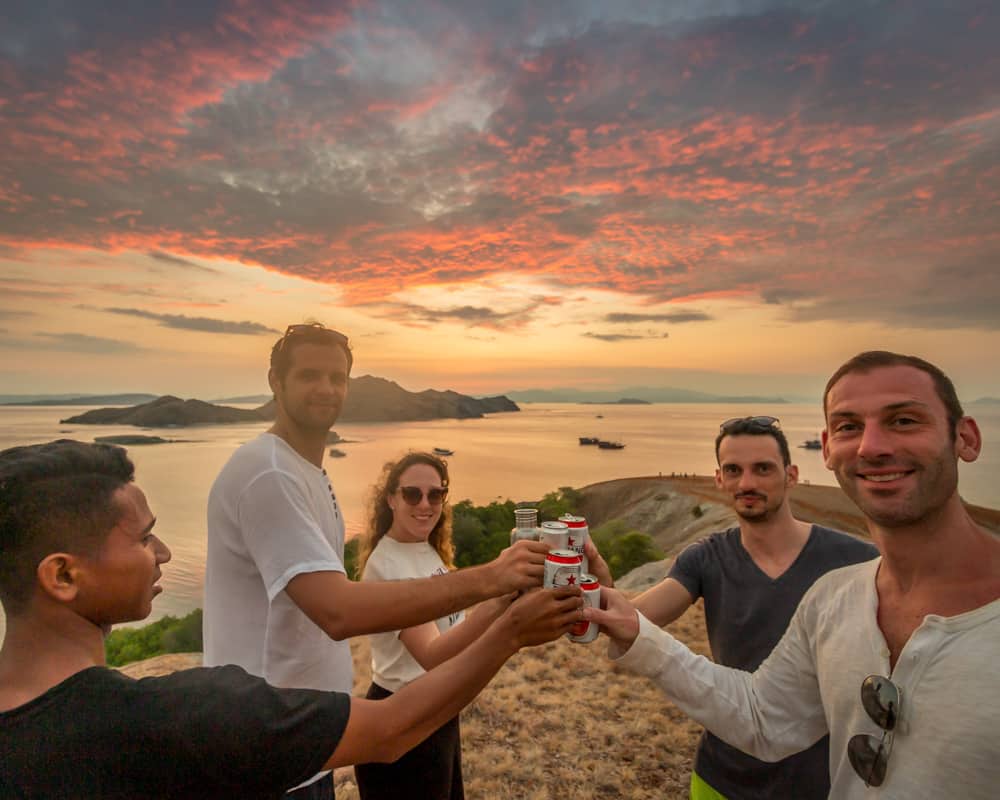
point(167, 635)
point(624, 549)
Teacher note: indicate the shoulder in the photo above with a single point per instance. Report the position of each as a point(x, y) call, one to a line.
point(843, 586)
point(851, 546)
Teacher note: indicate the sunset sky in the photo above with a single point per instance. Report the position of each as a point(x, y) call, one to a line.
point(722, 195)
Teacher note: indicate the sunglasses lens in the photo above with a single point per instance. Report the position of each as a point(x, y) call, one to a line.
point(436, 496)
point(868, 758)
point(411, 494)
point(756, 422)
point(880, 698)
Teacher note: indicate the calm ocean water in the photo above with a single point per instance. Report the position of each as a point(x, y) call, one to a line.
point(520, 455)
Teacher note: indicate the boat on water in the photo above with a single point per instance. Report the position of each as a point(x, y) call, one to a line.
point(588, 440)
point(443, 451)
point(606, 445)
point(812, 444)
point(337, 453)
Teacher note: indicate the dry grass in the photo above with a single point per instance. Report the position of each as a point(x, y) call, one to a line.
point(561, 721)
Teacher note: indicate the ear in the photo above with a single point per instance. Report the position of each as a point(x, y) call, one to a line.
point(272, 381)
point(718, 478)
point(826, 448)
point(791, 475)
point(968, 439)
point(58, 576)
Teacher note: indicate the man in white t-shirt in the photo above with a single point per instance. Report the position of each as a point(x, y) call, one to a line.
point(892, 657)
point(277, 599)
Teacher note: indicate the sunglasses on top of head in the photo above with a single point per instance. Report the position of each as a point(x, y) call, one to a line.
point(313, 327)
point(412, 495)
point(754, 422)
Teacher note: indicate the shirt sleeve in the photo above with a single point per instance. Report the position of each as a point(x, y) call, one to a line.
point(281, 531)
point(243, 732)
point(687, 568)
point(770, 714)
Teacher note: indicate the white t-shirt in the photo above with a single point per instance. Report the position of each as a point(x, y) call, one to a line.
point(272, 515)
point(392, 665)
point(946, 742)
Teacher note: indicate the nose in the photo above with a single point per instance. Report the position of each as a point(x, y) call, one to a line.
point(875, 442)
point(163, 554)
point(746, 482)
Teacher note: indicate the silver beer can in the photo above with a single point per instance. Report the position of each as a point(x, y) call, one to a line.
point(579, 532)
point(585, 631)
point(555, 535)
point(562, 568)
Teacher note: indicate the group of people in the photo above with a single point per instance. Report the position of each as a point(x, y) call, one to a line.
point(849, 669)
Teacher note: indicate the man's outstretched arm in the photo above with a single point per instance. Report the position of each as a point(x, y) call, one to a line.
point(383, 730)
point(345, 608)
point(770, 714)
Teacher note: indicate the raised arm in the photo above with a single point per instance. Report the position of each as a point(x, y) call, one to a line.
point(344, 608)
point(429, 647)
point(383, 730)
point(770, 714)
point(663, 603)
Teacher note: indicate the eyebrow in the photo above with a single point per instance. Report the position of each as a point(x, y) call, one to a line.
point(148, 528)
point(891, 407)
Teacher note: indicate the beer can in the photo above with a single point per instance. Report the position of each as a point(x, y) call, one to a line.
point(556, 535)
point(586, 631)
point(579, 532)
point(562, 568)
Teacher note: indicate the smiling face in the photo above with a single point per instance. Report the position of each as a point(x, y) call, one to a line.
point(889, 442)
point(312, 392)
point(751, 470)
point(118, 583)
point(415, 523)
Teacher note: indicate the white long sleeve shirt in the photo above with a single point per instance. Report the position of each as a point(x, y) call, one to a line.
point(947, 741)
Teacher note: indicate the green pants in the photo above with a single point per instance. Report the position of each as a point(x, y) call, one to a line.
point(701, 790)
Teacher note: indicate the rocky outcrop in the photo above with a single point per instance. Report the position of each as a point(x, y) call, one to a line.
point(369, 399)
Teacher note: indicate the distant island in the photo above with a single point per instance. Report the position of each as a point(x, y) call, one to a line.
point(131, 439)
point(623, 401)
point(81, 400)
point(369, 399)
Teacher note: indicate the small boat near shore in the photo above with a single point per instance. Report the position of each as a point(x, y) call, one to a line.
point(607, 445)
point(443, 451)
point(588, 440)
point(812, 444)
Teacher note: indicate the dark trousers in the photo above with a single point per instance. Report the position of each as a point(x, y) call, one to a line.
point(317, 790)
point(430, 771)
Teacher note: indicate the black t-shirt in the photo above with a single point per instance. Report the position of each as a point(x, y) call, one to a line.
point(746, 614)
point(199, 733)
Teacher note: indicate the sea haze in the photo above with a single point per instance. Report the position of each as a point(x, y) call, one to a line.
point(518, 455)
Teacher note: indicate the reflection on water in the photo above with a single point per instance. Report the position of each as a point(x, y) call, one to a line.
point(520, 455)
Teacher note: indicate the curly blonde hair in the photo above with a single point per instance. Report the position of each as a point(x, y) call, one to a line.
point(380, 515)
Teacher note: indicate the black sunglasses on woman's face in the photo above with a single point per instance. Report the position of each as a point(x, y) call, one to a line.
point(412, 495)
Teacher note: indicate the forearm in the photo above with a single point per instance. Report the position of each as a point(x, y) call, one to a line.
point(769, 714)
point(398, 723)
point(377, 606)
point(451, 642)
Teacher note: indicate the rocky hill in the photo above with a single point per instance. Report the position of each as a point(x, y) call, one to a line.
point(369, 399)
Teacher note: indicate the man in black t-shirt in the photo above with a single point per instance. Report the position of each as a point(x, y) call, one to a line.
point(77, 555)
point(752, 578)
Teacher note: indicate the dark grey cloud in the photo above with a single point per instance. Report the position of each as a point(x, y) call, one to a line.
point(470, 316)
point(675, 317)
point(177, 261)
point(624, 337)
point(201, 324)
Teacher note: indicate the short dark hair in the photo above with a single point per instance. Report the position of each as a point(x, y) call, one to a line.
point(54, 497)
point(306, 333)
point(750, 427)
point(875, 359)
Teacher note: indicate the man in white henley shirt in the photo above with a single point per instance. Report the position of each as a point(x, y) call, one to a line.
point(925, 615)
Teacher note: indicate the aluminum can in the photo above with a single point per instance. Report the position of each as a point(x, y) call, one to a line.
point(579, 532)
point(562, 568)
point(555, 535)
point(585, 631)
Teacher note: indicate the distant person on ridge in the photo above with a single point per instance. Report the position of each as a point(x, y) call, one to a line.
point(277, 600)
point(894, 658)
point(77, 555)
point(752, 578)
